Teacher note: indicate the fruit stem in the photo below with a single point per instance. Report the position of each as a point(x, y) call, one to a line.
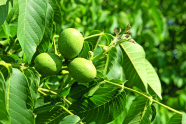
point(42, 92)
point(43, 89)
point(54, 44)
point(94, 35)
point(150, 98)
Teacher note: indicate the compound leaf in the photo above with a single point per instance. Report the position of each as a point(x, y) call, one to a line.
point(107, 103)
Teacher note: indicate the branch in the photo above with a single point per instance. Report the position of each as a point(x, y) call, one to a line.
point(50, 91)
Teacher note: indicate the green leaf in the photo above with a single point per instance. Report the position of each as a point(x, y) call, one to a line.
point(107, 103)
point(175, 119)
point(33, 78)
point(123, 19)
point(137, 26)
point(4, 118)
point(137, 5)
point(134, 65)
point(86, 49)
point(12, 19)
point(53, 116)
point(57, 11)
point(18, 95)
point(184, 118)
point(94, 40)
point(117, 71)
point(111, 60)
point(13, 58)
point(31, 25)
point(153, 79)
point(107, 63)
point(70, 119)
point(4, 5)
point(2, 2)
point(139, 112)
point(6, 69)
point(160, 22)
point(153, 112)
point(4, 31)
point(47, 37)
point(13, 14)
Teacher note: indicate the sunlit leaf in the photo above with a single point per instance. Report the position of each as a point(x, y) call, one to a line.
point(153, 79)
point(31, 24)
point(134, 65)
point(3, 2)
point(183, 118)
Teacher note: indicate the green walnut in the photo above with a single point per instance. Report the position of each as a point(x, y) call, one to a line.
point(70, 43)
point(48, 64)
point(82, 70)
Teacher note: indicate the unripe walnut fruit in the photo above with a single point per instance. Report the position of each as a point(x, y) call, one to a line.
point(82, 70)
point(70, 43)
point(48, 64)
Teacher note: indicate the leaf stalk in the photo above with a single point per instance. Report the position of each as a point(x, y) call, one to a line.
point(150, 98)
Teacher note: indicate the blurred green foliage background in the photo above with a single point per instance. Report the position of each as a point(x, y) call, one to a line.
point(159, 26)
